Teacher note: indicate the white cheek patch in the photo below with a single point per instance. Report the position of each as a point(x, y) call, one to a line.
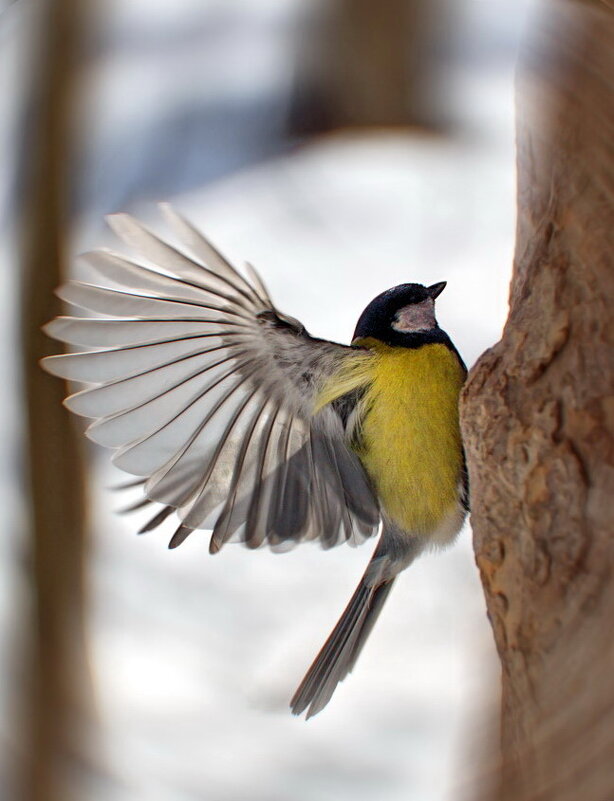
point(415, 317)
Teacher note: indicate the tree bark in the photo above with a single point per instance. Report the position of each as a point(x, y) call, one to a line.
point(538, 421)
point(57, 675)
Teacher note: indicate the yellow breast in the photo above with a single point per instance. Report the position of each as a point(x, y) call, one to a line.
point(411, 443)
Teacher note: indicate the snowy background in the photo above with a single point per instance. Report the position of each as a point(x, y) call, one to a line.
point(194, 657)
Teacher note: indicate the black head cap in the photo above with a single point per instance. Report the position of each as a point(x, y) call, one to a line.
point(376, 320)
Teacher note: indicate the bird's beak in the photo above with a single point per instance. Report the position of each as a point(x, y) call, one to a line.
point(436, 289)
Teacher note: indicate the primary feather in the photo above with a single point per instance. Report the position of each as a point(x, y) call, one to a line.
point(209, 392)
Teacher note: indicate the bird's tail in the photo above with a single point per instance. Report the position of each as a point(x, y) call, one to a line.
point(341, 650)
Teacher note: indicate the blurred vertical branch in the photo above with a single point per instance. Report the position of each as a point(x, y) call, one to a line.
point(538, 420)
point(57, 676)
point(369, 64)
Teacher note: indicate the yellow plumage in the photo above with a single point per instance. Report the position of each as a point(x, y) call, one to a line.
point(357, 371)
point(410, 441)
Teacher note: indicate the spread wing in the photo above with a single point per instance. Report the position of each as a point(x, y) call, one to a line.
point(208, 392)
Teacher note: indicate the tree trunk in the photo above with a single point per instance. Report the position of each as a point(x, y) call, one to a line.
point(369, 64)
point(56, 672)
point(538, 422)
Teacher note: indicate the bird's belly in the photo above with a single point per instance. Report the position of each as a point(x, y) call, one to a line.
point(411, 438)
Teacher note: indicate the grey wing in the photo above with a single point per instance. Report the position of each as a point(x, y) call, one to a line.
point(204, 389)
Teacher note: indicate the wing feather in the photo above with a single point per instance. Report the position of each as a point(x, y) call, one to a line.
point(124, 272)
point(115, 302)
point(212, 260)
point(210, 394)
point(96, 332)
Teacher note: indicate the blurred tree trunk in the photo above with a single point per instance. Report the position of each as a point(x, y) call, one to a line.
point(57, 678)
point(368, 64)
point(538, 421)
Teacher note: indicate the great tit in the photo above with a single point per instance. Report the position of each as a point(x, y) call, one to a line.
point(239, 420)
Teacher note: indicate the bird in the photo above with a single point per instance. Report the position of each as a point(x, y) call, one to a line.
point(236, 418)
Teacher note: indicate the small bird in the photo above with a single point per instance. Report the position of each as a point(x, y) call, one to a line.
point(239, 420)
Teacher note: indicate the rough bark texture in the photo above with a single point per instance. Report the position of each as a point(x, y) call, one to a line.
point(538, 420)
point(56, 666)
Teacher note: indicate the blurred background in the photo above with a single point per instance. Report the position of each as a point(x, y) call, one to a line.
point(342, 147)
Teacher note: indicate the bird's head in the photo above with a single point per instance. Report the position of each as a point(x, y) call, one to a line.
point(407, 309)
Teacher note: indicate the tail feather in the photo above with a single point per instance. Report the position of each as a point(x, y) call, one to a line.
point(341, 650)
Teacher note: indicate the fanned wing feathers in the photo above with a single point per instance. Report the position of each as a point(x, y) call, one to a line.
point(209, 393)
